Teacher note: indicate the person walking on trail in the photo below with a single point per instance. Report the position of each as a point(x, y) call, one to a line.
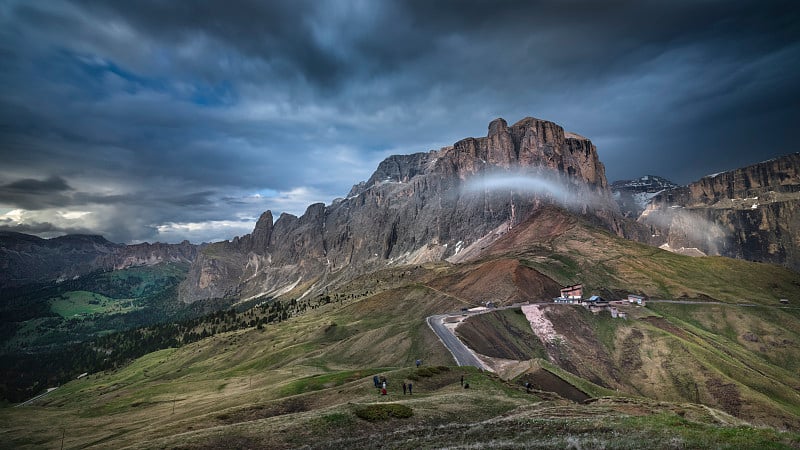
point(383, 390)
point(384, 385)
point(462, 380)
point(405, 386)
point(419, 362)
point(409, 389)
point(375, 381)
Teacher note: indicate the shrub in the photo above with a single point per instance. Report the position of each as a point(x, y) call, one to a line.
point(384, 411)
point(429, 371)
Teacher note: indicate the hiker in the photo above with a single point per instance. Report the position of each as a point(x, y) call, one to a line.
point(383, 391)
point(404, 387)
point(418, 363)
point(375, 381)
point(409, 389)
point(462, 380)
point(384, 385)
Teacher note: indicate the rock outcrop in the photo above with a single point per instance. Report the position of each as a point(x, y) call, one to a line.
point(413, 209)
point(750, 213)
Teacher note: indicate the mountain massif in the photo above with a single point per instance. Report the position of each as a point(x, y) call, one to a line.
point(414, 209)
point(449, 204)
point(751, 213)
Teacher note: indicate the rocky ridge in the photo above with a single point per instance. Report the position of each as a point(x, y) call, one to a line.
point(413, 209)
point(751, 213)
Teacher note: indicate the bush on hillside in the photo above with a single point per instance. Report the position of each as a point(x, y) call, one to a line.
point(384, 411)
point(428, 371)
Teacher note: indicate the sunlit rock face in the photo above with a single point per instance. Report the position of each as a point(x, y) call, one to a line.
point(751, 213)
point(413, 209)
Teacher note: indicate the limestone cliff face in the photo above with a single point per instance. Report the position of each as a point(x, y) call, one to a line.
point(26, 259)
point(751, 213)
point(413, 209)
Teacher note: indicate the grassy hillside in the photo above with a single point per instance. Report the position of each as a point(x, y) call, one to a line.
point(671, 375)
point(308, 380)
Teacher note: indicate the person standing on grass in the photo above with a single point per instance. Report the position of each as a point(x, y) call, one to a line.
point(409, 389)
point(462, 380)
point(375, 380)
point(404, 387)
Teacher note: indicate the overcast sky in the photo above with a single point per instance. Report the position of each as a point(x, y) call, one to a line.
point(169, 120)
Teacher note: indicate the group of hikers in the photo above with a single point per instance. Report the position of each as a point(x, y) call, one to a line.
point(380, 383)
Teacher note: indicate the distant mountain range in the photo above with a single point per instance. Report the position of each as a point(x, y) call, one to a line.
point(26, 259)
point(450, 204)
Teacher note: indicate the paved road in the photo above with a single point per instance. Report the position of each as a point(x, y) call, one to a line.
point(26, 402)
point(462, 355)
point(702, 302)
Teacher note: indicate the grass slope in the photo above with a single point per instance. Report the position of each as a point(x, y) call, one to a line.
point(304, 381)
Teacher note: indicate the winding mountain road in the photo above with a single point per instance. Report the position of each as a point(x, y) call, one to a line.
point(463, 355)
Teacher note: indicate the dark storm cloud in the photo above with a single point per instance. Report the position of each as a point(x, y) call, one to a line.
point(30, 193)
point(150, 119)
point(34, 186)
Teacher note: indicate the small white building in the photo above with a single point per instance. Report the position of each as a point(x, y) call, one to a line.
point(636, 299)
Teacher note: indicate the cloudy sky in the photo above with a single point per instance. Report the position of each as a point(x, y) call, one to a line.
point(169, 120)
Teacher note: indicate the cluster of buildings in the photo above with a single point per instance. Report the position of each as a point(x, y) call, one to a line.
point(574, 295)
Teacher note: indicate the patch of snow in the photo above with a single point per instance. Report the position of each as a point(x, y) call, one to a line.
point(643, 198)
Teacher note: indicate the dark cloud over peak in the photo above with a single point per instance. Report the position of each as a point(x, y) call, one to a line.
point(158, 120)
